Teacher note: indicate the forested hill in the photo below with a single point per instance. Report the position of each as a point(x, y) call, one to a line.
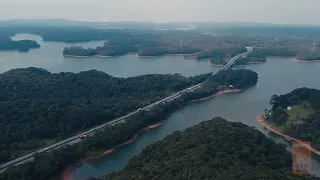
point(215, 149)
point(37, 107)
point(7, 44)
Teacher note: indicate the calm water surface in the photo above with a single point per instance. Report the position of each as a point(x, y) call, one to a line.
point(277, 76)
point(49, 57)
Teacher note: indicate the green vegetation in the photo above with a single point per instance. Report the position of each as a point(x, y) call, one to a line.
point(303, 120)
point(51, 164)
point(248, 60)
point(215, 149)
point(218, 61)
point(78, 51)
point(147, 42)
point(7, 44)
point(37, 105)
point(239, 79)
point(219, 52)
point(309, 56)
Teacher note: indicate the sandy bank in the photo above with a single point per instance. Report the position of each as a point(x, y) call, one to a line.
point(67, 174)
point(65, 55)
point(218, 94)
point(305, 61)
point(216, 65)
point(146, 56)
point(176, 54)
point(262, 122)
point(100, 56)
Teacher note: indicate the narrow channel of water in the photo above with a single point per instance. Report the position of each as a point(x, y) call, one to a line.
point(277, 76)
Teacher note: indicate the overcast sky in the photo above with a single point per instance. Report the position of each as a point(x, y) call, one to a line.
point(271, 11)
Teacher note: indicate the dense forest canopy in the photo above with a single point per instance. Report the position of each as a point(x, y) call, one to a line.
point(37, 106)
point(51, 164)
point(7, 43)
point(147, 42)
point(238, 79)
point(309, 56)
point(215, 149)
point(248, 60)
point(305, 104)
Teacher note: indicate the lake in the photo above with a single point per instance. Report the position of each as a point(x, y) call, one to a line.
point(277, 76)
point(50, 57)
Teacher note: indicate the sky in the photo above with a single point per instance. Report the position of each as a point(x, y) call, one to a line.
point(264, 11)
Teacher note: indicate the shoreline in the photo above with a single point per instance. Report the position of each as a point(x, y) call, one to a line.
point(177, 54)
point(262, 122)
point(147, 56)
point(130, 53)
point(256, 62)
point(67, 173)
point(305, 61)
point(162, 55)
point(65, 55)
point(101, 56)
point(215, 65)
point(218, 94)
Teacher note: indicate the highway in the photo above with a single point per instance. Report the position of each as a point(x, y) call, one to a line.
point(76, 138)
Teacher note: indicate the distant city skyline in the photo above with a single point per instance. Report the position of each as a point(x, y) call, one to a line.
point(255, 11)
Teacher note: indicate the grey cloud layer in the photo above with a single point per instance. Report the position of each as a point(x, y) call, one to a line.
point(272, 11)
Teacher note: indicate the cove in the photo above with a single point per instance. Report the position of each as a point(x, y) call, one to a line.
point(277, 76)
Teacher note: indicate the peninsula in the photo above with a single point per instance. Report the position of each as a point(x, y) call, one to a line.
point(296, 114)
point(7, 44)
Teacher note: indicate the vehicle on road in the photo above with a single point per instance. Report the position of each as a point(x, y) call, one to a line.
point(82, 136)
point(46, 149)
point(139, 109)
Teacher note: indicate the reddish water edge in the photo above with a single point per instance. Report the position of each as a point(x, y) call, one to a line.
point(305, 61)
point(218, 94)
point(67, 174)
point(261, 121)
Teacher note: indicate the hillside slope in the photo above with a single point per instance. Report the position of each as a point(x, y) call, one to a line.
point(215, 149)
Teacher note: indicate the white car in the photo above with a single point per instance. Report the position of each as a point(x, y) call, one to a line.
point(46, 149)
point(139, 109)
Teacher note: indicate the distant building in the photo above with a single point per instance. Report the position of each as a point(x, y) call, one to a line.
point(289, 108)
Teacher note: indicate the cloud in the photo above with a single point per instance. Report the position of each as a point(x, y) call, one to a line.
point(272, 11)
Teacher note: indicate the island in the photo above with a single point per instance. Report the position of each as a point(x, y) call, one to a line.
point(223, 82)
point(218, 62)
point(7, 44)
point(110, 50)
point(249, 60)
point(76, 51)
point(214, 149)
point(77, 101)
point(296, 116)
